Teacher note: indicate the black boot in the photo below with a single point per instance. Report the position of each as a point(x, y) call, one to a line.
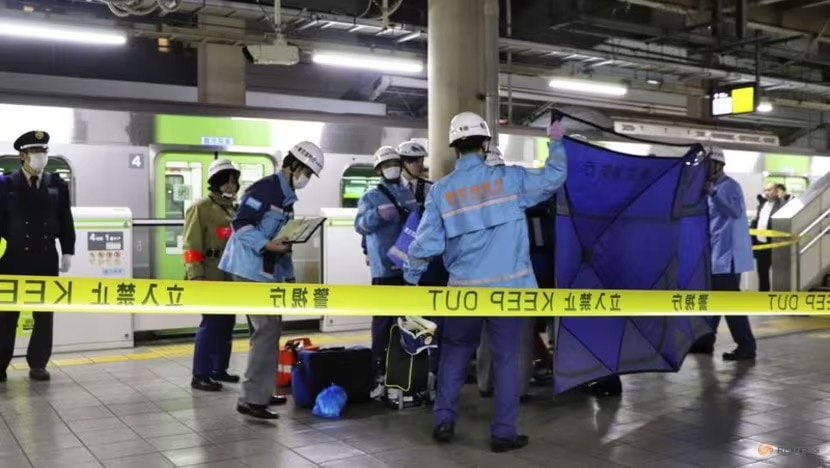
point(39, 374)
point(225, 377)
point(256, 411)
point(504, 445)
point(205, 384)
point(443, 433)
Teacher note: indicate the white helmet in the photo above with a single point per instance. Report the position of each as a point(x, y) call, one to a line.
point(411, 149)
point(716, 153)
point(494, 157)
point(385, 153)
point(219, 165)
point(466, 125)
point(310, 155)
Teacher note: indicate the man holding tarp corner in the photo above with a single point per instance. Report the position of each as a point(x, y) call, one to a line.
point(475, 218)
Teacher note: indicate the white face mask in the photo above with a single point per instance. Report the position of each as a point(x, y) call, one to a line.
point(229, 196)
point(391, 173)
point(300, 181)
point(37, 161)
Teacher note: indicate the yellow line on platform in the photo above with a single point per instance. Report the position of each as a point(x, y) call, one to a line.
point(763, 329)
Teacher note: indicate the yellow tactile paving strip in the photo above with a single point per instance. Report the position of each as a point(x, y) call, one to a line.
point(763, 328)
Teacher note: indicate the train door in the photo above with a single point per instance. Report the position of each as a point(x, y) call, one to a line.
point(356, 180)
point(181, 180)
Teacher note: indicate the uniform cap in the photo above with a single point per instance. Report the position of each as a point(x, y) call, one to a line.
point(717, 155)
point(30, 140)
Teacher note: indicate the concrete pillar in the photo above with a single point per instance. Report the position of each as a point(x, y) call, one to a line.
point(457, 70)
point(221, 74)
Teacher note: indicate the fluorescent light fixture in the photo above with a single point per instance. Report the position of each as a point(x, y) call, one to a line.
point(589, 87)
point(764, 106)
point(653, 81)
point(368, 61)
point(59, 33)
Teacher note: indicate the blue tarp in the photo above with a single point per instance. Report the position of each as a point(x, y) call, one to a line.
point(628, 222)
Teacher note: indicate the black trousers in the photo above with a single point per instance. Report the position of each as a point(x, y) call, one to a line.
point(382, 326)
point(40, 343)
point(764, 263)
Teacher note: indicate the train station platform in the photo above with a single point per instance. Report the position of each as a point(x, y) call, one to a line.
point(136, 409)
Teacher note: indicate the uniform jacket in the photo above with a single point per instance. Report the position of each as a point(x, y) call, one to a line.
point(263, 210)
point(419, 188)
point(381, 235)
point(207, 228)
point(475, 218)
point(729, 228)
point(30, 221)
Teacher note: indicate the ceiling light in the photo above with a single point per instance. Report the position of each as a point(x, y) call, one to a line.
point(764, 106)
point(51, 32)
point(368, 61)
point(653, 81)
point(590, 87)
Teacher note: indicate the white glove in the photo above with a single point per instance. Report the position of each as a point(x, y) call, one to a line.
point(387, 212)
point(556, 130)
point(66, 262)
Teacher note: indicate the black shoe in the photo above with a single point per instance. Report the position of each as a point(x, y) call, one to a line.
point(278, 400)
point(505, 445)
point(606, 387)
point(205, 384)
point(486, 393)
point(39, 374)
point(256, 411)
point(702, 349)
point(739, 355)
point(443, 433)
point(525, 398)
point(224, 377)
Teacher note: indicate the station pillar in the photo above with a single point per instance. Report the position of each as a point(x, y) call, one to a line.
point(221, 68)
point(462, 71)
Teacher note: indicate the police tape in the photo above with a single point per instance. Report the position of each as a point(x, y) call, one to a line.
point(769, 233)
point(147, 296)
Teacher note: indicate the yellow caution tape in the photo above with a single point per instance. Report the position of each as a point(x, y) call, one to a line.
point(145, 296)
point(769, 233)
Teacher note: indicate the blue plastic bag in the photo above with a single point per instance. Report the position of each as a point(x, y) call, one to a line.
point(330, 402)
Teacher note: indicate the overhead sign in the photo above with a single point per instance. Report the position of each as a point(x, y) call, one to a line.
point(734, 99)
point(217, 141)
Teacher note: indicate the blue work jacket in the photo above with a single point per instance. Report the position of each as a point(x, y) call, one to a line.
point(475, 218)
point(381, 234)
point(729, 229)
point(263, 210)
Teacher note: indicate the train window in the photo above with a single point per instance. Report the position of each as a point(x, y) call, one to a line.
point(56, 165)
point(248, 174)
point(356, 181)
point(182, 187)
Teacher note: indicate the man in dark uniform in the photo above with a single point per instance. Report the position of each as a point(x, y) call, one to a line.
point(34, 211)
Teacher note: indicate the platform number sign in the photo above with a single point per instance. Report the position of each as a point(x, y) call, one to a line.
point(136, 160)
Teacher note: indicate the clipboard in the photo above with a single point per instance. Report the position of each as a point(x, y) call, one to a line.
point(300, 230)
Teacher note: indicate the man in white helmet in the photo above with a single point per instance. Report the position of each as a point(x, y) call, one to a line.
point(475, 219)
point(252, 254)
point(412, 158)
point(207, 228)
point(381, 214)
point(731, 247)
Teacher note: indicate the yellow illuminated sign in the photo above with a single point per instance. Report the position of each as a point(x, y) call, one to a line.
point(734, 100)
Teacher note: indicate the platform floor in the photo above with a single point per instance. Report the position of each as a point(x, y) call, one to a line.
point(136, 409)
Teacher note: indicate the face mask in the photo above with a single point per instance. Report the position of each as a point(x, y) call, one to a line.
point(229, 196)
point(391, 173)
point(37, 161)
point(299, 181)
